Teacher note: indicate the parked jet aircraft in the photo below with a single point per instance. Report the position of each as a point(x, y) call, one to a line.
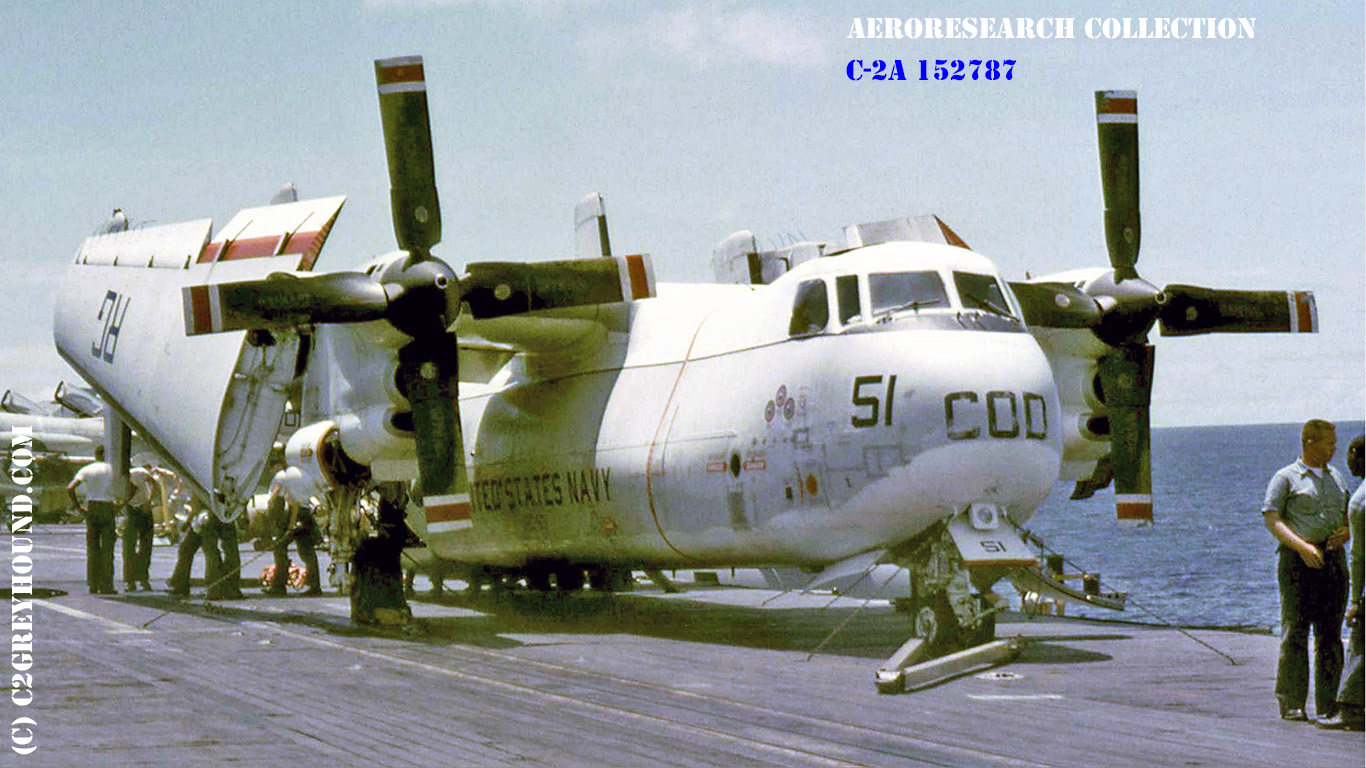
point(57, 438)
point(886, 399)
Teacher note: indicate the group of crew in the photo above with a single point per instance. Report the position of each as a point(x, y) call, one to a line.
point(1308, 511)
point(289, 515)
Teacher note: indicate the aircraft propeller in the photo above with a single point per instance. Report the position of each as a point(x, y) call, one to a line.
point(428, 370)
point(419, 295)
point(1122, 309)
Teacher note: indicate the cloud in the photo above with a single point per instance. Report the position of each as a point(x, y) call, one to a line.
point(529, 6)
point(706, 39)
point(695, 34)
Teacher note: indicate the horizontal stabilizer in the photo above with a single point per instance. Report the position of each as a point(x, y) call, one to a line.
point(590, 228)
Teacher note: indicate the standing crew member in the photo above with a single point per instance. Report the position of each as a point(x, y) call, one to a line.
point(144, 491)
point(1350, 695)
point(191, 538)
point(291, 517)
point(1306, 510)
point(223, 557)
point(96, 480)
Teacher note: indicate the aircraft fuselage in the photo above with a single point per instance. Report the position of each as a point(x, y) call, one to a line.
point(711, 434)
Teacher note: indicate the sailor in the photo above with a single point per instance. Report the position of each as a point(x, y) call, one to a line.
point(1305, 509)
point(291, 517)
point(223, 557)
point(96, 481)
point(1350, 694)
point(145, 488)
point(376, 564)
point(191, 537)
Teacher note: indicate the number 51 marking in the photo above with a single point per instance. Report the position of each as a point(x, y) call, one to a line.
point(872, 402)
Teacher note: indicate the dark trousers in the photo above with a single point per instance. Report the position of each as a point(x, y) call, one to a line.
point(184, 561)
point(1312, 599)
point(1353, 682)
point(99, 546)
point(222, 559)
point(137, 546)
point(303, 542)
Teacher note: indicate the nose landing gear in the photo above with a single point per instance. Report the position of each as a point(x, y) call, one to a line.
point(951, 606)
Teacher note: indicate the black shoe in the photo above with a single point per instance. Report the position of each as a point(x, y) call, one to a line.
point(275, 591)
point(315, 592)
point(1293, 713)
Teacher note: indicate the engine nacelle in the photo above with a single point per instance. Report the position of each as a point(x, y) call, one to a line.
point(317, 451)
point(1073, 355)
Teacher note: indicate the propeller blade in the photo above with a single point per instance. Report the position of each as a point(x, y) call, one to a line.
point(282, 300)
point(1117, 129)
point(1126, 380)
point(1056, 305)
point(499, 288)
point(402, 87)
point(426, 293)
point(428, 372)
point(1194, 310)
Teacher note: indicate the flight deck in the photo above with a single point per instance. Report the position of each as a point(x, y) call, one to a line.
point(707, 676)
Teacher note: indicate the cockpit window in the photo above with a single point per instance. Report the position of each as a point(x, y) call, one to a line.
point(811, 309)
point(981, 292)
point(895, 291)
point(846, 294)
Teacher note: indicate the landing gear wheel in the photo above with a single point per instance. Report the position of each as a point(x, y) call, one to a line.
point(538, 579)
point(935, 623)
point(479, 578)
point(569, 578)
point(984, 632)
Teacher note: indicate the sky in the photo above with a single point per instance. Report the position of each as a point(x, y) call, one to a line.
point(696, 119)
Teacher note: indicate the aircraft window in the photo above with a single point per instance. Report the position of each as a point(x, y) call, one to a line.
point(811, 310)
point(981, 292)
point(896, 291)
point(846, 292)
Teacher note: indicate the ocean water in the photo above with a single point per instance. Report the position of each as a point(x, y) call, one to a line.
point(1208, 560)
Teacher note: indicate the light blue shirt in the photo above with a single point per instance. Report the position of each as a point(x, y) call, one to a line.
point(1312, 504)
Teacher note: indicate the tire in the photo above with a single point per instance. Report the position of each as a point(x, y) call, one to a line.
point(935, 623)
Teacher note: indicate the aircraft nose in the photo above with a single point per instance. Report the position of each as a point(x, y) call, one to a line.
point(980, 423)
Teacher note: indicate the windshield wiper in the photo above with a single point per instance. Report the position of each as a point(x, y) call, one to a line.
point(915, 304)
point(984, 303)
